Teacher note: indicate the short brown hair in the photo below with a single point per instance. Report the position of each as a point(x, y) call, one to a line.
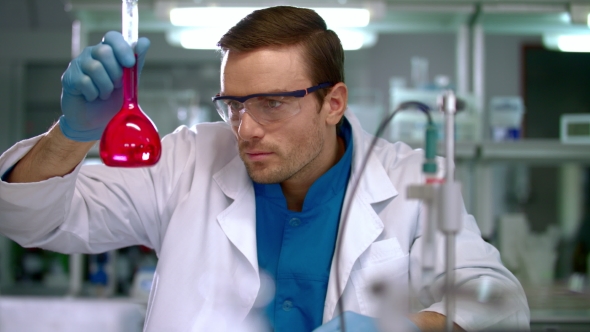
point(286, 26)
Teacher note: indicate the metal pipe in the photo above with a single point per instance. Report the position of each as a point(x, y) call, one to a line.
point(76, 270)
point(479, 74)
point(76, 274)
point(462, 60)
point(450, 282)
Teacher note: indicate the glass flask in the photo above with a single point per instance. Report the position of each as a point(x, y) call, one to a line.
point(130, 138)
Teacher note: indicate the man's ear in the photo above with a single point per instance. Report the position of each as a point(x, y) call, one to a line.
point(336, 101)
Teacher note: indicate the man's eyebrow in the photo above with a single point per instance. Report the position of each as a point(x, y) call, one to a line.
point(221, 93)
point(278, 90)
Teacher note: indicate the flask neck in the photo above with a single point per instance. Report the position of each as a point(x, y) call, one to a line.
point(130, 85)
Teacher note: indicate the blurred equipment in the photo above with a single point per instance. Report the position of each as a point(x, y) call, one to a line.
point(51, 314)
point(142, 283)
point(410, 126)
point(506, 118)
point(419, 72)
point(575, 128)
point(102, 274)
point(530, 256)
point(367, 106)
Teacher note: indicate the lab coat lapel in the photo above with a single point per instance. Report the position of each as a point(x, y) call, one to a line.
point(238, 220)
point(362, 226)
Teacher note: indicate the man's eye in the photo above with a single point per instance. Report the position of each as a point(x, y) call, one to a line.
point(273, 103)
point(234, 105)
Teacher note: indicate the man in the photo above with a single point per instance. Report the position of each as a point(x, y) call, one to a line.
point(229, 207)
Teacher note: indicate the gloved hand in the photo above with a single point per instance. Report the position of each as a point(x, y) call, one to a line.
point(359, 323)
point(91, 86)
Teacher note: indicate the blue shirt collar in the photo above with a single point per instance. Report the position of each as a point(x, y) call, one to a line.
point(334, 180)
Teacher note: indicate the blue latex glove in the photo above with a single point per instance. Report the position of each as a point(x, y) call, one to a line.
point(360, 323)
point(91, 86)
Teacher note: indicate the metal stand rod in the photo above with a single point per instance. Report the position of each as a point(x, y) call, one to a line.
point(450, 281)
point(444, 201)
point(76, 261)
point(450, 218)
point(76, 274)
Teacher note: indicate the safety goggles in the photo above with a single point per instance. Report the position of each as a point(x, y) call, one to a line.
point(264, 108)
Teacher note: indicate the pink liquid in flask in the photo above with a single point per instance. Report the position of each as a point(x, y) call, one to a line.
point(130, 138)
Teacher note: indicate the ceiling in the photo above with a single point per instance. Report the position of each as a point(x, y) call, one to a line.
point(506, 17)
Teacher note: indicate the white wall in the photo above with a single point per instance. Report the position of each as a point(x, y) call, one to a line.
point(503, 63)
point(18, 49)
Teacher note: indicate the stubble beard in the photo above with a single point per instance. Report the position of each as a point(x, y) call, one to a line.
point(291, 163)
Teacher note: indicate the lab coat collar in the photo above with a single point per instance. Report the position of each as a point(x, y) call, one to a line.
point(370, 184)
point(363, 226)
point(238, 220)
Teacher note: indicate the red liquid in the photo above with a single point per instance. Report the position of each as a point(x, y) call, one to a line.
point(130, 139)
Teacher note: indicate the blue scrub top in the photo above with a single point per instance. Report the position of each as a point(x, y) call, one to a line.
point(296, 248)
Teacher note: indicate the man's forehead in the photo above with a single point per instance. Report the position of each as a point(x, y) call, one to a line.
point(261, 70)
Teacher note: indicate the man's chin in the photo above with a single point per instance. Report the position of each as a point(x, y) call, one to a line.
point(263, 176)
point(262, 172)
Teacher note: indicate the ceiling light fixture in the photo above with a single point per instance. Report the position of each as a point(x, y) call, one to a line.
point(207, 38)
point(229, 16)
point(567, 42)
point(574, 43)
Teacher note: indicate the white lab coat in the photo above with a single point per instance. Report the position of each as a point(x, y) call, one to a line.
point(196, 209)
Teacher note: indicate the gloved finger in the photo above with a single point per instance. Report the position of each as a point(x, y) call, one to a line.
point(121, 49)
point(104, 54)
point(76, 83)
point(358, 322)
point(97, 73)
point(141, 48)
point(82, 85)
point(331, 326)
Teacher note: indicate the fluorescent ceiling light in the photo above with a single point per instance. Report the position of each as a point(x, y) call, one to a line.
point(574, 43)
point(196, 39)
point(568, 43)
point(355, 39)
point(207, 38)
point(344, 17)
point(208, 16)
point(229, 16)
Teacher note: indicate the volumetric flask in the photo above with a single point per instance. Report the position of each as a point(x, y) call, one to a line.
point(130, 138)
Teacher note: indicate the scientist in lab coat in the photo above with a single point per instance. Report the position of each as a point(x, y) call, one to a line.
point(258, 197)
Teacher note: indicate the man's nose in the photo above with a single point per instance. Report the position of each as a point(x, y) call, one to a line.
point(249, 129)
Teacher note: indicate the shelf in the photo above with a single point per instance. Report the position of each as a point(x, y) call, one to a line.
point(536, 151)
point(552, 304)
point(531, 151)
point(543, 151)
point(463, 150)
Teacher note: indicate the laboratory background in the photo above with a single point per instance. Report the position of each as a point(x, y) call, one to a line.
point(522, 68)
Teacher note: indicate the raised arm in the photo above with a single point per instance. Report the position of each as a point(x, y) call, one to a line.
point(54, 155)
point(91, 95)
